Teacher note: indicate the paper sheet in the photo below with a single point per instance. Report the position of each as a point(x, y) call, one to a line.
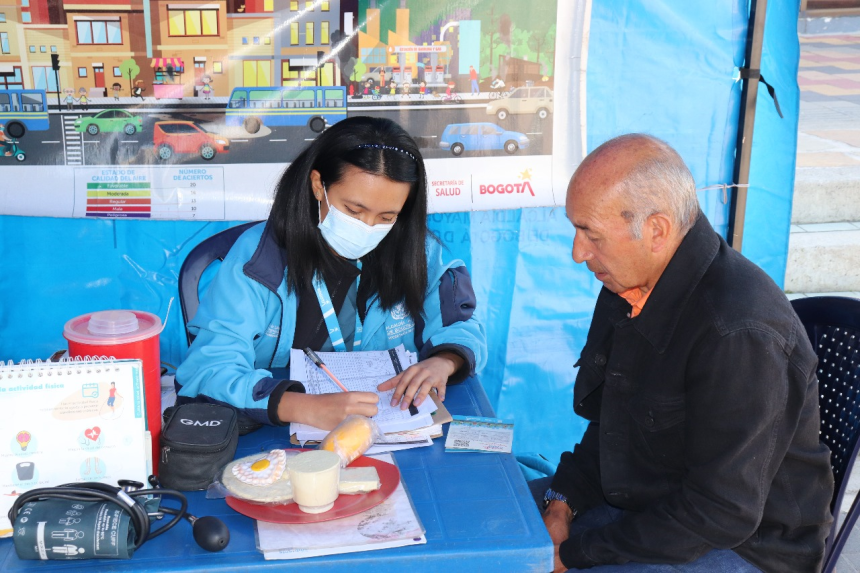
point(362, 372)
point(393, 523)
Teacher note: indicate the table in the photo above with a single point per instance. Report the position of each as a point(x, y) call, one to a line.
point(476, 508)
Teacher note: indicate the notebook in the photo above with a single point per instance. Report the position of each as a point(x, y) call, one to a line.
point(70, 421)
point(360, 371)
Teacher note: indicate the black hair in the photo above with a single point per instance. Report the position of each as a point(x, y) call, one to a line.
point(396, 270)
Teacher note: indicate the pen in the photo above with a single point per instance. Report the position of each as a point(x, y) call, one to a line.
point(321, 365)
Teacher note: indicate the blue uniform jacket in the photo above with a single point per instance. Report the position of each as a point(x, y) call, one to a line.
point(246, 321)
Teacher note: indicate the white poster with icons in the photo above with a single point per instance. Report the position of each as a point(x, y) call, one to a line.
point(66, 422)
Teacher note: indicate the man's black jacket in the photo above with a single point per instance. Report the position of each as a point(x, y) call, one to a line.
point(703, 416)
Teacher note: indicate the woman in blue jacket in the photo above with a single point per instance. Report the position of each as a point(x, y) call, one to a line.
point(344, 262)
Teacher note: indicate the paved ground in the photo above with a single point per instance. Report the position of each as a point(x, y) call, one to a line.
point(829, 136)
point(829, 79)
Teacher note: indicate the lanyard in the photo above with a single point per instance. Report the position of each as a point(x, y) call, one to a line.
point(330, 316)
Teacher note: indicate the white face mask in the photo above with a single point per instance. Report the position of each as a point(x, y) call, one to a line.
point(349, 237)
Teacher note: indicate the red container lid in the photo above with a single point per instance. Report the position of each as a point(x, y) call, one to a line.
point(108, 327)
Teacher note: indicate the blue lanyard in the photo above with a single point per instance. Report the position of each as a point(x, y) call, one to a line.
point(330, 315)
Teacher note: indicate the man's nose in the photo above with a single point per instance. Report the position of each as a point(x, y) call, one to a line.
point(581, 253)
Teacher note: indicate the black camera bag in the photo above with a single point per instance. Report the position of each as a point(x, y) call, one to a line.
point(198, 440)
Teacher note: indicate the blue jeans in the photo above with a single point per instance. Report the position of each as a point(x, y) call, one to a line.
point(715, 561)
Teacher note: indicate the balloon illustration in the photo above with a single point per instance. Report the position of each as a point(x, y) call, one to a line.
point(23, 438)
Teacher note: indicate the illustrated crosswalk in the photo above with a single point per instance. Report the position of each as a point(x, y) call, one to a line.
point(73, 141)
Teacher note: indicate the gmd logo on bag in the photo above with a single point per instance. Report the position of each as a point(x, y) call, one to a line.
point(210, 423)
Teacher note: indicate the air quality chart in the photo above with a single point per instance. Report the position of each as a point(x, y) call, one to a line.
point(191, 192)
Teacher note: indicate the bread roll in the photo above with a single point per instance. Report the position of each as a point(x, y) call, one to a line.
point(351, 438)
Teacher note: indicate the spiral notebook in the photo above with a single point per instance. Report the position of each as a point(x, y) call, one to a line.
point(70, 421)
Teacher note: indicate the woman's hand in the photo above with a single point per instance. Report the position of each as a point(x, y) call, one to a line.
point(413, 384)
point(325, 411)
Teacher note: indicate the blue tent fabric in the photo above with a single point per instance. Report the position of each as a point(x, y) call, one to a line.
point(768, 210)
point(668, 68)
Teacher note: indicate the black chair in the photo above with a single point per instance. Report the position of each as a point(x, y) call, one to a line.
point(215, 248)
point(833, 326)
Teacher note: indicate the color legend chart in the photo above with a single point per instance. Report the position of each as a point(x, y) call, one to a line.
point(190, 192)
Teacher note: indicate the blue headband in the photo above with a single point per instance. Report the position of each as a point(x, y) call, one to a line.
point(389, 147)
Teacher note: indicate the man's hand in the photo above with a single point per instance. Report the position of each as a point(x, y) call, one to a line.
point(325, 411)
point(414, 383)
point(557, 518)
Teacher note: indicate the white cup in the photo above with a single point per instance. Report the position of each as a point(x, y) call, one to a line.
point(314, 476)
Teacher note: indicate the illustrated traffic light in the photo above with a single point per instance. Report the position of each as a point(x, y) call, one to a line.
point(55, 65)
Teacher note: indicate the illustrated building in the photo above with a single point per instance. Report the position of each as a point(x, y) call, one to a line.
point(172, 45)
point(190, 40)
point(102, 34)
point(406, 61)
point(284, 42)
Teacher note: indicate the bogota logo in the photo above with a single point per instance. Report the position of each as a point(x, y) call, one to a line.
point(509, 188)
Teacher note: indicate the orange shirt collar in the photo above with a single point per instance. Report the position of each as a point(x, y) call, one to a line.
point(636, 298)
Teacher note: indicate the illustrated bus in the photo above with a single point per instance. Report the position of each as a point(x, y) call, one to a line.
point(315, 107)
point(23, 110)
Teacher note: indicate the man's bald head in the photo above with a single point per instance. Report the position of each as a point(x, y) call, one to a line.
point(645, 175)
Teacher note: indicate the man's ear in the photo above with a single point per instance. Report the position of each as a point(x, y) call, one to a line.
point(659, 229)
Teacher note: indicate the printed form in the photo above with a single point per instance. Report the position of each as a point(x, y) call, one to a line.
point(360, 372)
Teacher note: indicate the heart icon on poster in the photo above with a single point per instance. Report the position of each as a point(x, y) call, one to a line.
point(93, 433)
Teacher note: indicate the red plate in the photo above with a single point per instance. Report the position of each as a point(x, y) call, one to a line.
point(344, 506)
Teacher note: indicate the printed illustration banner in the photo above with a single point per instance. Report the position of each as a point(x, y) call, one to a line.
point(112, 115)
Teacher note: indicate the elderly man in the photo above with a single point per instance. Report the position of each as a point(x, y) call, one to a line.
point(699, 386)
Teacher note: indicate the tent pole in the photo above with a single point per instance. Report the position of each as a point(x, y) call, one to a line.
point(746, 121)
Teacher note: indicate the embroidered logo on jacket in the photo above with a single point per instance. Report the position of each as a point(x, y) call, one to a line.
point(273, 330)
point(399, 312)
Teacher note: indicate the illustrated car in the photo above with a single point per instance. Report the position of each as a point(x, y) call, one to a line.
point(171, 137)
point(110, 120)
point(536, 100)
point(460, 137)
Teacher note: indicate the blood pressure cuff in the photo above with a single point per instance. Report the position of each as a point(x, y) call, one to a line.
point(66, 529)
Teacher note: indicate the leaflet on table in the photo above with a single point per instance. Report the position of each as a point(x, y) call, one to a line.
point(391, 442)
point(474, 434)
point(303, 553)
point(70, 422)
point(404, 440)
point(393, 523)
point(362, 372)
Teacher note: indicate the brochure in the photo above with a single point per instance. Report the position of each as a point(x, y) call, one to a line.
point(474, 434)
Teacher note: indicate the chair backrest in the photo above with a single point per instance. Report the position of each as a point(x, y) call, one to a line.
point(833, 327)
point(215, 248)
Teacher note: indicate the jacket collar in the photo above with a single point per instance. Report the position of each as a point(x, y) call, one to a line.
point(685, 270)
point(268, 263)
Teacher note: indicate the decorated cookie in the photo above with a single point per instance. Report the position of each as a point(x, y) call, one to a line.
point(259, 478)
point(264, 471)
